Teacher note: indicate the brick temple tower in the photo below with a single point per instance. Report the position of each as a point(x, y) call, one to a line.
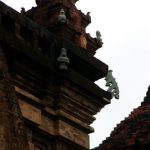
point(133, 133)
point(47, 72)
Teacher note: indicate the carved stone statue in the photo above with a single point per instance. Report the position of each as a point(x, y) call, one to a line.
point(62, 16)
point(112, 84)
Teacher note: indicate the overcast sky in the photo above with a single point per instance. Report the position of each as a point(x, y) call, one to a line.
point(125, 29)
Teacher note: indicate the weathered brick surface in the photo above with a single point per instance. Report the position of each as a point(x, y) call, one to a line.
point(57, 107)
point(133, 133)
point(12, 135)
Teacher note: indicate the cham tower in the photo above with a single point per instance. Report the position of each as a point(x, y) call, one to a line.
point(133, 133)
point(48, 97)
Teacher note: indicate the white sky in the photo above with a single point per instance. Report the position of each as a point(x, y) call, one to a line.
point(125, 29)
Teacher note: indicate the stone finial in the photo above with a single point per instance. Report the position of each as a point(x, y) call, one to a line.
point(23, 10)
point(99, 39)
point(63, 60)
point(88, 14)
point(62, 16)
point(112, 84)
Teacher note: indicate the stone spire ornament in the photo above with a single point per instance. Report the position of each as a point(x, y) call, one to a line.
point(112, 84)
point(99, 39)
point(62, 16)
point(88, 14)
point(23, 10)
point(63, 60)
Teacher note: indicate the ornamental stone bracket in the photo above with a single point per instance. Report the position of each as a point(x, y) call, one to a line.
point(112, 85)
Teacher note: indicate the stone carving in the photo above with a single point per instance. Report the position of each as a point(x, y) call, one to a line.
point(99, 39)
point(88, 14)
point(62, 16)
point(23, 10)
point(63, 60)
point(112, 84)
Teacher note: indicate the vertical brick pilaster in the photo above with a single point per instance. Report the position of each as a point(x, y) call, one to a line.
point(12, 136)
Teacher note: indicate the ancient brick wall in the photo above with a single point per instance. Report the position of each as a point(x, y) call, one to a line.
point(12, 133)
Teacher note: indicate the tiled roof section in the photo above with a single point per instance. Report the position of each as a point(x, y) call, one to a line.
point(135, 129)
